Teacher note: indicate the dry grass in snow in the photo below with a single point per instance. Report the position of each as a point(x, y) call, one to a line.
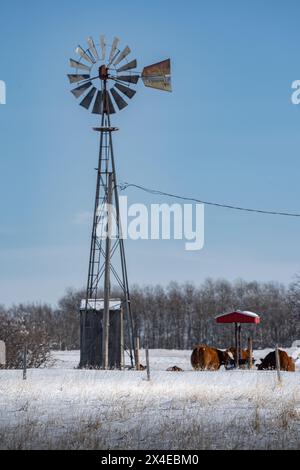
point(63, 408)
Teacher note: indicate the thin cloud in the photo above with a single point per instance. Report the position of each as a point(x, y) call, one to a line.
point(82, 218)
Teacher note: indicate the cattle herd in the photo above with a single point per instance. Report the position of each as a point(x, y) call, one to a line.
point(207, 358)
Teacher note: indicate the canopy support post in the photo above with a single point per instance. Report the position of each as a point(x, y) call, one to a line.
point(240, 341)
point(237, 345)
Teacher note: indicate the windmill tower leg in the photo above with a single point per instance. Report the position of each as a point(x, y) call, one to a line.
point(127, 301)
point(107, 289)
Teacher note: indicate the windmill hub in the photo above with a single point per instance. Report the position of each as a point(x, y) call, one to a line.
point(103, 72)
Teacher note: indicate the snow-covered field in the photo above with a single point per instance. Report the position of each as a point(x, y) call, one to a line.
point(60, 407)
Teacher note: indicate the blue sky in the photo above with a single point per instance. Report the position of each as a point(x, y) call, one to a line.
point(228, 133)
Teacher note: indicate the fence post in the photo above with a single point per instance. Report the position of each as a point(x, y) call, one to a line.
point(25, 363)
point(250, 352)
point(278, 364)
point(148, 364)
point(2, 354)
point(137, 353)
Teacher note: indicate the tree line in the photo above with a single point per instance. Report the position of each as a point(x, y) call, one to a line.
point(178, 316)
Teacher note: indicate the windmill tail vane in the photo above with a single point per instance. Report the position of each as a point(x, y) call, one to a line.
point(105, 80)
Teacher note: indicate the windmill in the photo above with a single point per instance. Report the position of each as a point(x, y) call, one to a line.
point(104, 82)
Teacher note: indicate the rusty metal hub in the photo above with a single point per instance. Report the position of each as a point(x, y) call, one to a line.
point(103, 72)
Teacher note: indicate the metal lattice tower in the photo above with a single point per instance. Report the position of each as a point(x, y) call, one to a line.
point(103, 319)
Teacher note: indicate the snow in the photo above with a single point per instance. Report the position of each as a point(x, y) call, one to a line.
point(63, 407)
point(249, 314)
point(98, 304)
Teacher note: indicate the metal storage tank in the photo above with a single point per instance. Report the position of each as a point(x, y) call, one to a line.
point(91, 334)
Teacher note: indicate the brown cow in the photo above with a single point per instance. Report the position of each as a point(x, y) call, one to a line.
point(244, 353)
point(244, 356)
point(207, 358)
point(269, 362)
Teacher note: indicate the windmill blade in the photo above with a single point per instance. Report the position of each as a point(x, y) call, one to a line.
point(88, 52)
point(113, 50)
point(122, 56)
point(78, 65)
point(86, 102)
point(158, 75)
point(125, 90)
point(103, 46)
point(81, 89)
point(121, 103)
point(108, 104)
point(129, 66)
point(97, 109)
point(74, 78)
point(129, 78)
point(84, 55)
point(93, 49)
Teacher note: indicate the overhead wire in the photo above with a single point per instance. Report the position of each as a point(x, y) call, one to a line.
point(126, 185)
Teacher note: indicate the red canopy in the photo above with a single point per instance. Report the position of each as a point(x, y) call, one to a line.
point(238, 316)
